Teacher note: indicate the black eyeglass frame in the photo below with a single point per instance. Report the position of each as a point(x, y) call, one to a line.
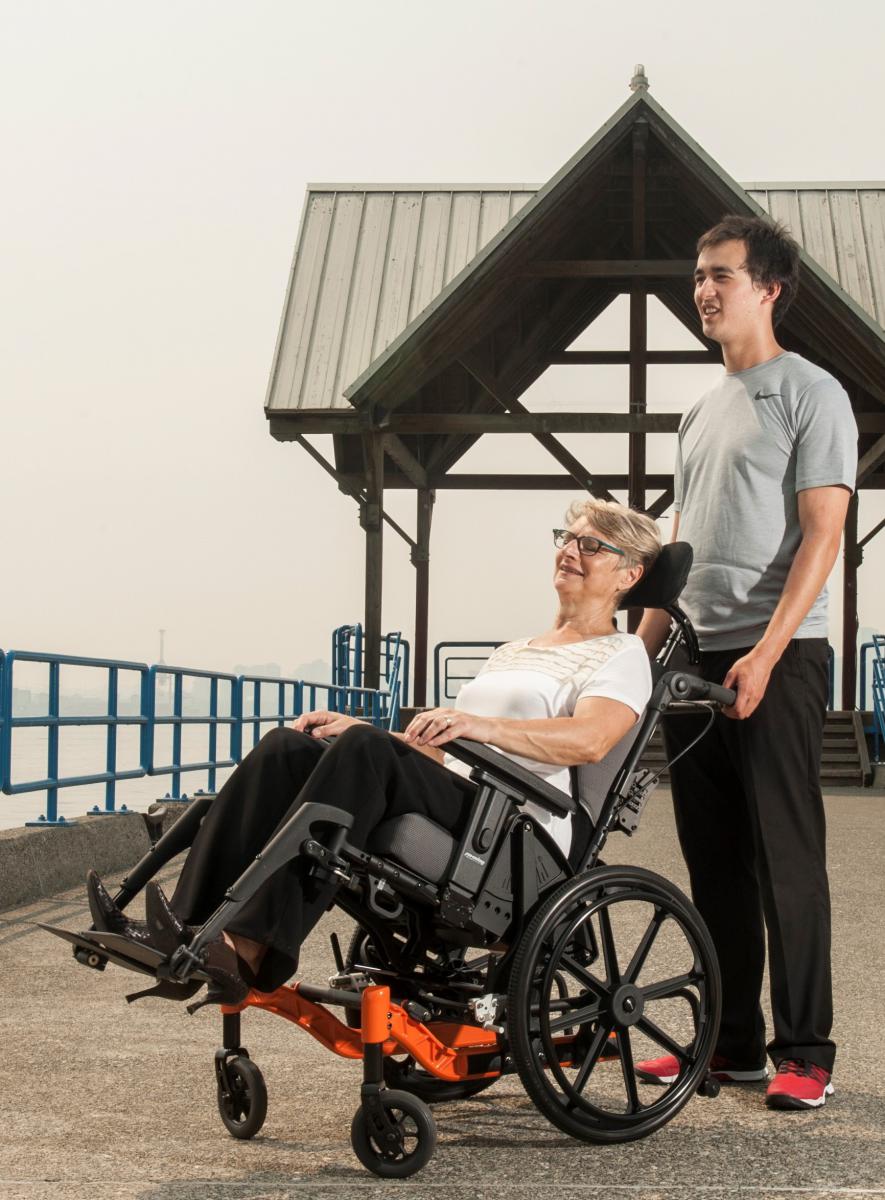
point(562, 537)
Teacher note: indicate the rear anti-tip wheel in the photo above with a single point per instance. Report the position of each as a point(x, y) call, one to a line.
point(393, 1134)
point(242, 1097)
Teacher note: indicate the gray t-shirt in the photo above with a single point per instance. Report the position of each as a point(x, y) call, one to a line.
point(745, 449)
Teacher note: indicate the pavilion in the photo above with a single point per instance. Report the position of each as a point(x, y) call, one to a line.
point(417, 316)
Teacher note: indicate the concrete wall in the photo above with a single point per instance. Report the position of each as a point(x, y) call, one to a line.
point(38, 862)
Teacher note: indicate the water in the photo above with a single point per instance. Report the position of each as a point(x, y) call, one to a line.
point(82, 751)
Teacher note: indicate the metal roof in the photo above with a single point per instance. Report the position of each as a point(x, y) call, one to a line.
point(371, 258)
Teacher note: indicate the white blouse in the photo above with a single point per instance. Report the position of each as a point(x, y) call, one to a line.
point(527, 683)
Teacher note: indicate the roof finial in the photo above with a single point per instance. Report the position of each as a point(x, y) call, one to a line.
point(639, 82)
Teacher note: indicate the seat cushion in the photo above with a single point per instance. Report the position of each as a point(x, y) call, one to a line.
point(417, 843)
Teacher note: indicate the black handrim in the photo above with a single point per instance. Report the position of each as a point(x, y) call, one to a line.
point(596, 1011)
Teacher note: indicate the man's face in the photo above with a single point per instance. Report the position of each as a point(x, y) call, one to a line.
point(730, 304)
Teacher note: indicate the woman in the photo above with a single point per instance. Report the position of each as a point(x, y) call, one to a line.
point(554, 701)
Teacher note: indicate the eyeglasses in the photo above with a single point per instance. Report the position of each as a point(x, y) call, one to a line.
point(587, 544)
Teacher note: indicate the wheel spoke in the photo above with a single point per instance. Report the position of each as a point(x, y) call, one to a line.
point(663, 1039)
point(609, 953)
point(625, 1053)
point(594, 1050)
point(577, 1016)
point(669, 987)
point(641, 953)
point(582, 975)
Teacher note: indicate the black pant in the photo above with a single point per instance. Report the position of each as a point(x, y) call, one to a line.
point(750, 818)
point(366, 772)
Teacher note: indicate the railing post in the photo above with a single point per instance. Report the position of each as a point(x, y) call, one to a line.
point(111, 756)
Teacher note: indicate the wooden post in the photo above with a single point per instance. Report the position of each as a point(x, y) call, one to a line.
point(852, 556)
point(638, 338)
point(372, 522)
point(421, 559)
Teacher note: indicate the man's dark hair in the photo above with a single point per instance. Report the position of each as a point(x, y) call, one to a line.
point(772, 254)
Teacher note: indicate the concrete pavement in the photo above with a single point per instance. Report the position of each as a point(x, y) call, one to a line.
point(100, 1100)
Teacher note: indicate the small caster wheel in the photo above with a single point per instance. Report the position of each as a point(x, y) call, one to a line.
point(393, 1134)
point(242, 1100)
point(709, 1087)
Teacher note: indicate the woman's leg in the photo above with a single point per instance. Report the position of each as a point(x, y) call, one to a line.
point(242, 818)
point(372, 776)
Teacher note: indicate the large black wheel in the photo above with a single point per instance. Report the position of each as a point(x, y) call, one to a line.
point(397, 1141)
point(243, 1102)
point(616, 951)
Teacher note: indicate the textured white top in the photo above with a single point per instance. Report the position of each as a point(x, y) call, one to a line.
point(527, 683)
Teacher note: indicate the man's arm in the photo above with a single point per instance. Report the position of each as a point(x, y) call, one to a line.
point(655, 623)
point(821, 518)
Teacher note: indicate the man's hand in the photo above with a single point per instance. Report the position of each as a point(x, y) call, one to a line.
point(439, 725)
point(749, 678)
point(323, 723)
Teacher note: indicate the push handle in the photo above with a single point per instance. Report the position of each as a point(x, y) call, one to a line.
point(689, 687)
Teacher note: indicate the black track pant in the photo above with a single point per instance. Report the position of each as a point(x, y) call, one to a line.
point(751, 823)
point(365, 772)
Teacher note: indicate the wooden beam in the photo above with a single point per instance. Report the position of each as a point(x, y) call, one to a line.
point(592, 268)
point(514, 483)
point(869, 537)
point(396, 448)
point(372, 523)
point(638, 333)
point(565, 458)
point(421, 560)
point(663, 502)
point(622, 358)
point(351, 486)
point(871, 460)
point(480, 423)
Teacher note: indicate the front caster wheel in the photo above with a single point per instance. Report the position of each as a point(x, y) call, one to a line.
point(393, 1134)
point(242, 1097)
point(709, 1087)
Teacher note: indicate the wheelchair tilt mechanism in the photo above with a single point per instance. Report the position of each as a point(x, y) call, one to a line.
point(484, 954)
point(473, 957)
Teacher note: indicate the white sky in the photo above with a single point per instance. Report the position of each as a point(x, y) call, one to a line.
point(154, 159)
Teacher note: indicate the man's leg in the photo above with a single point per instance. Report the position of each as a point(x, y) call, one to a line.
point(717, 842)
point(780, 746)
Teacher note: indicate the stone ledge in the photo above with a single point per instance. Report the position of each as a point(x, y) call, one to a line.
point(38, 862)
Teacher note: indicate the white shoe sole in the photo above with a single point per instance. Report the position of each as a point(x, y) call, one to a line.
point(779, 1100)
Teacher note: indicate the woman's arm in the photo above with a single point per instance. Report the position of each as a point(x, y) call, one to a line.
point(597, 726)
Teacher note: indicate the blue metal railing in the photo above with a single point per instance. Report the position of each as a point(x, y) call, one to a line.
point(443, 663)
point(874, 652)
point(211, 702)
point(348, 662)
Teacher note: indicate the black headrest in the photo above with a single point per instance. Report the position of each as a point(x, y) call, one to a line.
point(662, 584)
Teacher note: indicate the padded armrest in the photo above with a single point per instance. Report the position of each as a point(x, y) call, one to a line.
point(476, 754)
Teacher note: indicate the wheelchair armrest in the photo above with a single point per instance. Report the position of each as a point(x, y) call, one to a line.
point(478, 755)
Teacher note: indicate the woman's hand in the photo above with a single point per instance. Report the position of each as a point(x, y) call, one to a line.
point(439, 725)
point(323, 723)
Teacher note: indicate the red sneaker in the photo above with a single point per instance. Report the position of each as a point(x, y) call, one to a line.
point(666, 1070)
point(798, 1084)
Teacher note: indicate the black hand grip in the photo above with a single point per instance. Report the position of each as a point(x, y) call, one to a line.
point(689, 687)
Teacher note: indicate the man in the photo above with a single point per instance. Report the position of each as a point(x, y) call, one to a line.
point(766, 463)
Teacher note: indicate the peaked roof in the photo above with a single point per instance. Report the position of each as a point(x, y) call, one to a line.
point(388, 282)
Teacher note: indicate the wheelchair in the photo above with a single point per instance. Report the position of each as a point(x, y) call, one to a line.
point(484, 954)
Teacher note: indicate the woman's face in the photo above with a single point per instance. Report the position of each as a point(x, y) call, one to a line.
point(596, 578)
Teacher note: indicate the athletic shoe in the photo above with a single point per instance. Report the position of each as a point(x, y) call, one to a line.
point(666, 1070)
point(798, 1084)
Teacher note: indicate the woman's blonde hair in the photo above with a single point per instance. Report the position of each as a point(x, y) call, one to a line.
point(631, 531)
